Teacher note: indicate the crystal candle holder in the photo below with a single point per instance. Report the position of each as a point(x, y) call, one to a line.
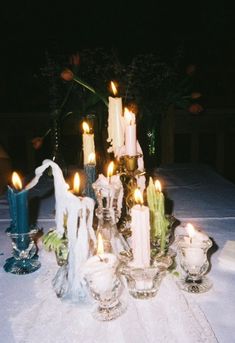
point(144, 283)
point(107, 295)
point(194, 262)
point(25, 258)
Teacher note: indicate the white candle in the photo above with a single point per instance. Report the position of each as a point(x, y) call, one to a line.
point(130, 133)
point(101, 268)
point(88, 143)
point(194, 253)
point(140, 238)
point(115, 122)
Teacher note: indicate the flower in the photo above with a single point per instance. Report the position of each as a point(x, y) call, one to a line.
point(74, 59)
point(195, 108)
point(67, 75)
point(190, 70)
point(37, 142)
point(195, 95)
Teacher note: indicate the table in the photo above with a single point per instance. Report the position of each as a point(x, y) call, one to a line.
point(30, 311)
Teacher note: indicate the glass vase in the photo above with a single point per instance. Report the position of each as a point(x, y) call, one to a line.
point(194, 262)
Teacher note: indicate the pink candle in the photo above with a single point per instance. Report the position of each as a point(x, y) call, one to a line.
point(130, 133)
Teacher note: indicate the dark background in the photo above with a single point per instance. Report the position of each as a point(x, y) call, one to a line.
point(30, 30)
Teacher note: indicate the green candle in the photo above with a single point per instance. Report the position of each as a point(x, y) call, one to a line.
point(158, 221)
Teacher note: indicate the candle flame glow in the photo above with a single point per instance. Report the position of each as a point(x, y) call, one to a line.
point(91, 158)
point(16, 181)
point(85, 127)
point(100, 245)
point(138, 196)
point(114, 88)
point(76, 183)
point(190, 229)
point(110, 169)
point(158, 186)
point(128, 116)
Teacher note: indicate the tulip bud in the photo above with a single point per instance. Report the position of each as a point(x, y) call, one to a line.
point(67, 75)
point(195, 108)
point(37, 142)
point(190, 70)
point(195, 95)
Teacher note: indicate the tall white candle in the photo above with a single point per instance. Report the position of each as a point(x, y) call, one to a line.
point(88, 143)
point(115, 122)
point(130, 133)
point(140, 227)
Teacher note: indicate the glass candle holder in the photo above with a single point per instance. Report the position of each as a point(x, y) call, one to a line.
point(25, 258)
point(194, 262)
point(105, 287)
point(144, 283)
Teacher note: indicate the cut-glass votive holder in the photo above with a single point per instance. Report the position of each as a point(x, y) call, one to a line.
point(193, 260)
point(25, 258)
point(144, 283)
point(106, 291)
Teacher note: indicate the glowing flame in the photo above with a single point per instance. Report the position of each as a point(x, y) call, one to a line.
point(76, 183)
point(158, 186)
point(138, 196)
point(100, 245)
point(110, 169)
point(85, 127)
point(91, 158)
point(16, 181)
point(191, 230)
point(127, 116)
point(114, 88)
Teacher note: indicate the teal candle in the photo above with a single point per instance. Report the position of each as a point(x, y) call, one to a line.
point(18, 204)
point(90, 172)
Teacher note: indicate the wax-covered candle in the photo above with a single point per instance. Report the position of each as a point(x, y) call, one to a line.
point(115, 121)
point(18, 203)
point(90, 172)
point(130, 133)
point(88, 143)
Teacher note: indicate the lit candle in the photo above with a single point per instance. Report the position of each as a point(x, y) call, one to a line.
point(194, 254)
point(18, 203)
point(130, 133)
point(115, 122)
point(88, 143)
point(102, 268)
point(140, 228)
point(110, 170)
point(76, 184)
point(90, 171)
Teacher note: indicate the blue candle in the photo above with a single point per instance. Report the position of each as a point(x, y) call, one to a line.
point(90, 172)
point(18, 203)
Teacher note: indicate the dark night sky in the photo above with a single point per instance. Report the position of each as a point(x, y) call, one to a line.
point(29, 28)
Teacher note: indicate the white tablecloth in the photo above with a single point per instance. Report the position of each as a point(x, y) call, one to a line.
point(30, 311)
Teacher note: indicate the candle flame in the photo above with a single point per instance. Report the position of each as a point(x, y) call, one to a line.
point(128, 116)
point(16, 181)
point(76, 183)
point(91, 158)
point(158, 185)
point(100, 245)
point(85, 127)
point(110, 169)
point(138, 196)
point(114, 88)
point(190, 229)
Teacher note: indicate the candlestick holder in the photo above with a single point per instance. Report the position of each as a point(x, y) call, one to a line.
point(25, 258)
point(90, 172)
point(107, 295)
point(194, 262)
point(108, 213)
point(144, 283)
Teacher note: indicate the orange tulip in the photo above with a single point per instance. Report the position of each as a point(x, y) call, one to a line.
point(37, 142)
point(67, 75)
point(195, 108)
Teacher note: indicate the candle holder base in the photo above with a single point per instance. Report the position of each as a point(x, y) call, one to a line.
point(25, 258)
point(144, 283)
point(196, 286)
